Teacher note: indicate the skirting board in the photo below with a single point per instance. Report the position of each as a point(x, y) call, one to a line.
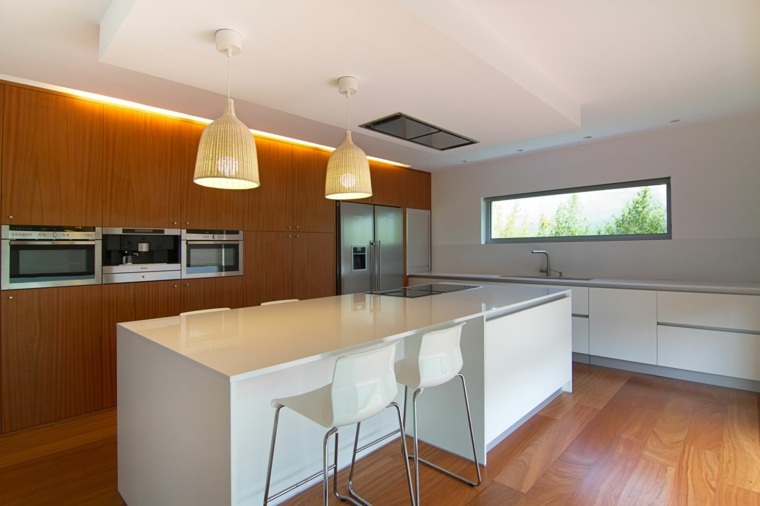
point(668, 372)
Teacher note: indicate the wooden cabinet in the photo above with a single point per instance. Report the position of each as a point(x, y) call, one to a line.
point(312, 212)
point(205, 293)
point(50, 355)
point(292, 193)
point(418, 189)
point(143, 162)
point(202, 207)
point(286, 265)
point(52, 159)
point(623, 324)
point(126, 302)
point(388, 185)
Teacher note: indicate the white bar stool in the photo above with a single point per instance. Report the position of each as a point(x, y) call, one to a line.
point(199, 311)
point(439, 361)
point(281, 301)
point(363, 385)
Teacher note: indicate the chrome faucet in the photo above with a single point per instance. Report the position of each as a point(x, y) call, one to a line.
point(548, 269)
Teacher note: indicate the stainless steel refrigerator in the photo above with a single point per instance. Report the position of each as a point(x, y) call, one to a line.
point(371, 248)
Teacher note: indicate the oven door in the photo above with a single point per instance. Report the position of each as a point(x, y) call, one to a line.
point(41, 264)
point(208, 259)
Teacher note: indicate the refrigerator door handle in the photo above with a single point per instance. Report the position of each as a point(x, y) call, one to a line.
point(372, 267)
point(379, 264)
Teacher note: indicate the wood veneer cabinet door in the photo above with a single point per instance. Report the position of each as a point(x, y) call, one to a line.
point(50, 355)
point(314, 265)
point(52, 159)
point(418, 189)
point(269, 206)
point(203, 207)
point(126, 302)
point(388, 186)
point(268, 266)
point(312, 212)
point(143, 159)
point(206, 293)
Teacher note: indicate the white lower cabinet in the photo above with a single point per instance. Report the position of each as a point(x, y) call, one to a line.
point(733, 354)
point(710, 333)
point(623, 324)
point(580, 334)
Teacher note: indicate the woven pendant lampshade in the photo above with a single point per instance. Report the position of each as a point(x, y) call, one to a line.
point(227, 151)
point(227, 154)
point(348, 174)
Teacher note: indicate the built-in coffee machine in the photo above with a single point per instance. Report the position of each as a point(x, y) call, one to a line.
point(141, 254)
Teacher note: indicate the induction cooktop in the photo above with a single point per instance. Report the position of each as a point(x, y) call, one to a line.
point(423, 290)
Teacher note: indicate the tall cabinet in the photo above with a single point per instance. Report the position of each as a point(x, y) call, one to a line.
point(52, 163)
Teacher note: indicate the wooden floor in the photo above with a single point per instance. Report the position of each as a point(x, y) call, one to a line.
point(620, 438)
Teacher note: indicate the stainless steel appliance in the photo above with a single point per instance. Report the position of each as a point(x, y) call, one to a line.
point(140, 254)
point(211, 253)
point(45, 256)
point(371, 247)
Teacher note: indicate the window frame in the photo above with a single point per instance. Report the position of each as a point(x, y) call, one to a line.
point(488, 201)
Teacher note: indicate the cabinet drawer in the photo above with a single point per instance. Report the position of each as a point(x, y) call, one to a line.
point(731, 354)
point(623, 324)
point(722, 311)
point(580, 335)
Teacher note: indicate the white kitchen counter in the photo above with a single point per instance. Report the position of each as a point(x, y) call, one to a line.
point(632, 284)
point(194, 391)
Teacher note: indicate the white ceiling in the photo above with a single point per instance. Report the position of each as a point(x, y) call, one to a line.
point(513, 74)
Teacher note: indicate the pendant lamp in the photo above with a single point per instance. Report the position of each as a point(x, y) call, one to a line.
point(347, 168)
point(227, 151)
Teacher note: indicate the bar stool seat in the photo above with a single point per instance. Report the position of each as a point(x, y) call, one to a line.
point(439, 361)
point(363, 384)
point(280, 301)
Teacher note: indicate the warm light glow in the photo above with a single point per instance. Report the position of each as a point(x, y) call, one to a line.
point(227, 154)
point(348, 176)
point(173, 114)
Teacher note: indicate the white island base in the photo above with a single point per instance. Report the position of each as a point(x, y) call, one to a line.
point(194, 392)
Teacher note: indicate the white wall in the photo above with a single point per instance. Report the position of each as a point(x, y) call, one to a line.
point(715, 196)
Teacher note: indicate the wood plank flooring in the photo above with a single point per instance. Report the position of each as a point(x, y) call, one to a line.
point(620, 439)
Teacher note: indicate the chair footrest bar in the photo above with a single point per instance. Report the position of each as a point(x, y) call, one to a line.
point(291, 488)
point(378, 440)
point(446, 471)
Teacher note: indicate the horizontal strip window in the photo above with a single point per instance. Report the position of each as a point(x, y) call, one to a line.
point(633, 210)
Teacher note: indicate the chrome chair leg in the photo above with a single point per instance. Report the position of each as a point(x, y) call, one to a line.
point(416, 456)
point(353, 497)
point(271, 453)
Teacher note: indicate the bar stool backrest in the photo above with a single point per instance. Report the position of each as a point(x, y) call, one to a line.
point(440, 357)
point(200, 311)
point(363, 385)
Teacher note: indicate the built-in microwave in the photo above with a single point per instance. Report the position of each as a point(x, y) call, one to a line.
point(212, 253)
point(46, 256)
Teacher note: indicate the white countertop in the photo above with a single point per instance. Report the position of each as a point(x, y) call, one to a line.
point(246, 342)
point(634, 284)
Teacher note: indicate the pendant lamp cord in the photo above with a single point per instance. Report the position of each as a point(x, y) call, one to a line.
point(229, 57)
point(348, 97)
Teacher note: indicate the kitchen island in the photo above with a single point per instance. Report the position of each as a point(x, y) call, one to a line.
point(194, 392)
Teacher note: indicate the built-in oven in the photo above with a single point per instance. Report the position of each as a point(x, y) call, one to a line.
point(212, 253)
point(141, 254)
point(45, 256)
